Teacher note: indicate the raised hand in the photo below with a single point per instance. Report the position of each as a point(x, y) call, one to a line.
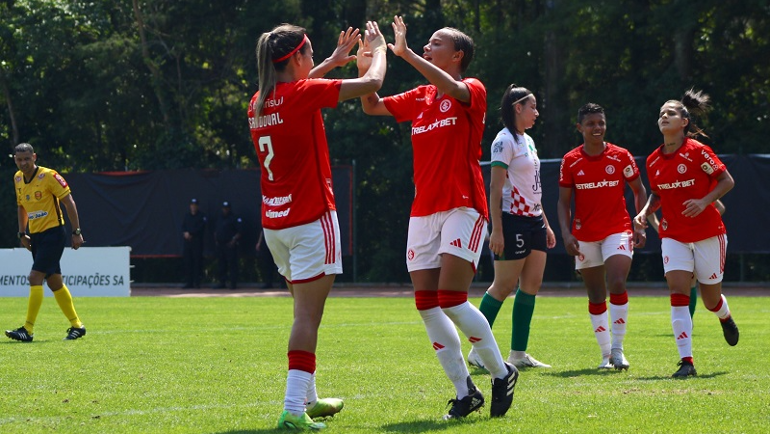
point(363, 56)
point(373, 37)
point(345, 43)
point(399, 30)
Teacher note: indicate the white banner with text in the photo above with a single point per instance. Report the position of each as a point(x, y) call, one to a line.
point(87, 272)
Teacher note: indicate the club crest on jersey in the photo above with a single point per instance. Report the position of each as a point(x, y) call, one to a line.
point(18, 179)
point(610, 169)
point(707, 168)
point(38, 195)
point(681, 168)
point(445, 105)
point(41, 176)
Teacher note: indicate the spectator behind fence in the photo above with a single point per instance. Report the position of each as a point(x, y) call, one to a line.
point(193, 228)
point(227, 233)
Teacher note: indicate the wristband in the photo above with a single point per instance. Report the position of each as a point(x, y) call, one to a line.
point(20, 234)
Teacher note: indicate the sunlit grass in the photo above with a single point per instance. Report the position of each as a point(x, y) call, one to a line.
point(218, 365)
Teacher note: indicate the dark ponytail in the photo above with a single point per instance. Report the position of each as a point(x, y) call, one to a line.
point(513, 95)
point(693, 104)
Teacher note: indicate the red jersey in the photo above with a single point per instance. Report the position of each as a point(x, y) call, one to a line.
point(688, 173)
point(446, 142)
point(290, 141)
point(598, 183)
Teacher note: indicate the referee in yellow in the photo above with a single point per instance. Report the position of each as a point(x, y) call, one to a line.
point(40, 192)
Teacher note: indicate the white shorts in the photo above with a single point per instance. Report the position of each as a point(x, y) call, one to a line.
point(705, 259)
point(593, 254)
point(459, 232)
point(307, 252)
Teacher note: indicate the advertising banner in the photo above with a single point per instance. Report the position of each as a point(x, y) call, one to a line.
point(87, 272)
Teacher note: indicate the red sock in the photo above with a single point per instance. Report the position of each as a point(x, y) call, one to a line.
point(597, 308)
point(302, 360)
point(425, 300)
point(447, 299)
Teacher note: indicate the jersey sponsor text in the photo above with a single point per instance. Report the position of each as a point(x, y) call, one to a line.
point(276, 201)
point(277, 214)
point(600, 184)
point(438, 124)
point(677, 184)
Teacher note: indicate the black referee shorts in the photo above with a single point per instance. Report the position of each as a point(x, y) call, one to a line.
point(47, 248)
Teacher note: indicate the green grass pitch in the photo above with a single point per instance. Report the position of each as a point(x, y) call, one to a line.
point(218, 365)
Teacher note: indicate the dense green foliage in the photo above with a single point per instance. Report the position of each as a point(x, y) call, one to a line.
point(112, 85)
point(218, 365)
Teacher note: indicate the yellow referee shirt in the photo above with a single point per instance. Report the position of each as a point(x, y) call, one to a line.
point(40, 198)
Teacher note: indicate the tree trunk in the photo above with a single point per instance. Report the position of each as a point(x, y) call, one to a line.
point(11, 115)
point(554, 99)
point(157, 79)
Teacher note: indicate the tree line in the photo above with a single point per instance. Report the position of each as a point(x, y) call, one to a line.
point(127, 85)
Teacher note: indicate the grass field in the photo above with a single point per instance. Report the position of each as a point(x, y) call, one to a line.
point(218, 365)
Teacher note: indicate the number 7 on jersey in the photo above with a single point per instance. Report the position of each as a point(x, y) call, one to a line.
point(266, 143)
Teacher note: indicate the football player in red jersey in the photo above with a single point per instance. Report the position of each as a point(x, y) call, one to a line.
point(686, 179)
point(600, 235)
point(449, 211)
point(298, 209)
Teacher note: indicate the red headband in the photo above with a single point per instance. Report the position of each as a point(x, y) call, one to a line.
point(291, 53)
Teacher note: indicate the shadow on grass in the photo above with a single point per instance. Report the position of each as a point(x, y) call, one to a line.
point(668, 377)
point(35, 342)
point(582, 372)
point(428, 425)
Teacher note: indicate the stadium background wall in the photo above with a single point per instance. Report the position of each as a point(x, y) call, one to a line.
point(144, 210)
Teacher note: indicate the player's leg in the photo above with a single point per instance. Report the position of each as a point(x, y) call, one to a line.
point(594, 281)
point(524, 308)
point(308, 256)
point(505, 280)
point(678, 265)
point(693, 296)
point(709, 269)
point(64, 299)
point(309, 300)
point(424, 266)
point(26, 332)
point(458, 266)
point(617, 249)
point(590, 265)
